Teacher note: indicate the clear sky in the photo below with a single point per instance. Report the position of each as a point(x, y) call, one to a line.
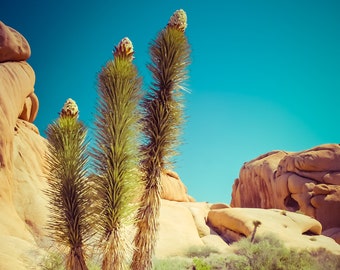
point(265, 75)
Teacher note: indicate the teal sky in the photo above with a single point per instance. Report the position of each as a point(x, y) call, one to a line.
point(265, 75)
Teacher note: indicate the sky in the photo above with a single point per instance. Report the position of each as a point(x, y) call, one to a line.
point(265, 75)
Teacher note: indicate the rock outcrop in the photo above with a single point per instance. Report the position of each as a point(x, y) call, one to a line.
point(183, 226)
point(173, 188)
point(307, 181)
point(295, 230)
point(22, 202)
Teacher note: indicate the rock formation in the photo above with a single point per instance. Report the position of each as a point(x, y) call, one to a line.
point(307, 181)
point(173, 188)
point(22, 203)
point(295, 230)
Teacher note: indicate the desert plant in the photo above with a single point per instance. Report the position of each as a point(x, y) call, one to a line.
point(171, 263)
point(162, 122)
point(256, 224)
point(53, 261)
point(69, 223)
point(200, 264)
point(201, 252)
point(268, 252)
point(116, 154)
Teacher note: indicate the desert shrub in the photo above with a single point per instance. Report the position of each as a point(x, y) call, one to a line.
point(200, 264)
point(172, 263)
point(268, 253)
point(325, 259)
point(56, 261)
point(53, 261)
point(201, 251)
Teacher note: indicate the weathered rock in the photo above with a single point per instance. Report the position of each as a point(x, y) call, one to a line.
point(307, 181)
point(23, 210)
point(219, 206)
point(254, 188)
point(333, 233)
point(13, 46)
point(183, 228)
point(173, 188)
point(177, 233)
point(22, 203)
point(199, 211)
point(296, 230)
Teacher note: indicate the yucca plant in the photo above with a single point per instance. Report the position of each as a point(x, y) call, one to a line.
point(256, 224)
point(69, 223)
point(162, 120)
point(116, 153)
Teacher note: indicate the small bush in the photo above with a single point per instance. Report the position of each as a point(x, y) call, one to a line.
point(269, 253)
point(56, 261)
point(200, 264)
point(201, 251)
point(179, 263)
point(266, 253)
point(53, 261)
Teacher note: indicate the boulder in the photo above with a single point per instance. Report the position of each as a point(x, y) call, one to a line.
point(177, 232)
point(13, 46)
point(23, 210)
point(173, 188)
point(296, 230)
point(199, 212)
point(307, 181)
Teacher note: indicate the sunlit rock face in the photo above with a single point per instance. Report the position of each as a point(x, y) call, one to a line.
point(295, 230)
point(307, 181)
point(173, 188)
point(23, 209)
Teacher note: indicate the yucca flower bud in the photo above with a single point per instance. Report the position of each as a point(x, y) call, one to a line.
point(70, 109)
point(178, 20)
point(124, 49)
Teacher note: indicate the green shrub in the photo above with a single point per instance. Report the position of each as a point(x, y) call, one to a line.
point(172, 263)
point(200, 264)
point(266, 253)
point(270, 253)
point(197, 251)
point(56, 261)
point(53, 261)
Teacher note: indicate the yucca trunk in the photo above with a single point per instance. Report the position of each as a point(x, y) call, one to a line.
point(116, 153)
point(115, 252)
point(69, 223)
point(76, 259)
point(162, 121)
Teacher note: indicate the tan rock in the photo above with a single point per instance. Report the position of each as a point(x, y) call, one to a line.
point(306, 181)
point(17, 92)
point(177, 232)
point(199, 211)
point(327, 205)
point(13, 46)
point(333, 233)
point(294, 229)
point(216, 243)
point(318, 159)
point(332, 178)
point(23, 209)
point(173, 188)
point(254, 187)
point(30, 109)
point(219, 206)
